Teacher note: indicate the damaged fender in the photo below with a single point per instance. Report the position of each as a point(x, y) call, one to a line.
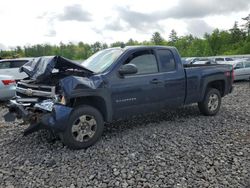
point(58, 118)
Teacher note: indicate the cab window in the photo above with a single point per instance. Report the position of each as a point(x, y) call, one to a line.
point(145, 62)
point(167, 61)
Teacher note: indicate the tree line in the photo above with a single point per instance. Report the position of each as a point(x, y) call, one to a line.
point(220, 42)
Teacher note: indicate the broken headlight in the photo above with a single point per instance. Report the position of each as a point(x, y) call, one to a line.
point(45, 105)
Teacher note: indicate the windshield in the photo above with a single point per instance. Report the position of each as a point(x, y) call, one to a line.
point(101, 60)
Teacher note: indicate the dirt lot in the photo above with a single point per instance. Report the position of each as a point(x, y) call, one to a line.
point(179, 148)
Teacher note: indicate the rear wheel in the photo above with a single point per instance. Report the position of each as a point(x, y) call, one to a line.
point(84, 128)
point(211, 102)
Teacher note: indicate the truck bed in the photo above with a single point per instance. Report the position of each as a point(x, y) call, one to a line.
point(197, 74)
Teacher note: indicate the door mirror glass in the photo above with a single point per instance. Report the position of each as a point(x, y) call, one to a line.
point(128, 69)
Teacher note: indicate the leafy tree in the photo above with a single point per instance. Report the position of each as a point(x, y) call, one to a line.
point(96, 47)
point(104, 46)
point(157, 39)
point(247, 24)
point(173, 36)
point(214, 42)
point(117, 44)
point(132, 42)
point(236, 34)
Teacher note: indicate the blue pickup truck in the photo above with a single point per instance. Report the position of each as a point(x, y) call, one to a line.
point(74, 100)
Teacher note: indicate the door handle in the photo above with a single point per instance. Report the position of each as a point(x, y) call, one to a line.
point(155, 81)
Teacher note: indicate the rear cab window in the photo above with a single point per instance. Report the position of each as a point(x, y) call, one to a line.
point(145, 61)
point(167, 61)
point(12, 64)
point(17, 64)
point(5, 65)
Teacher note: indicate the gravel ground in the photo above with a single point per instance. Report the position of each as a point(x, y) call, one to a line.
point(180, 148)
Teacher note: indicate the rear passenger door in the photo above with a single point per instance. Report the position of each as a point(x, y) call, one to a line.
point(173, 76)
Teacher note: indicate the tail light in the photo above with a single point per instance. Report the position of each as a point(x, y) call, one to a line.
point(230, 74)
point(8, 82)
point(233, 75)
point(227, 74)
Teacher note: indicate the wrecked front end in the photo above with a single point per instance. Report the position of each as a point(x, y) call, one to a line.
point(38, 108)
point(41, 99)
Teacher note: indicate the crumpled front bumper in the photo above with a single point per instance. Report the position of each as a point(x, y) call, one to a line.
point(55, 119)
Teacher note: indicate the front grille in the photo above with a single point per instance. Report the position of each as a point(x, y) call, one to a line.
point(25, 89)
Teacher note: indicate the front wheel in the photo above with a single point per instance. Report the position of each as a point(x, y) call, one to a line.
point(85, 127)
point(211, 102)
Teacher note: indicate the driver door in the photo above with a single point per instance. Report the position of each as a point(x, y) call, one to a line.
point(138, 93)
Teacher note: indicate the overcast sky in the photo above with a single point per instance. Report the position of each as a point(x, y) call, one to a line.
point(27, 22)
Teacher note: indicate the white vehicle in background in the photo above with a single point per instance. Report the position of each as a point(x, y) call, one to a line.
point(11, 67)
point(241, 70)
point(222, 60)
point(7, 87)
point(9, 74)
point(204, 61)
point(190, 60)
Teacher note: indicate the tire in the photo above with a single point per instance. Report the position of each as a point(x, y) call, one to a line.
point(85, 127)
point(211, 102)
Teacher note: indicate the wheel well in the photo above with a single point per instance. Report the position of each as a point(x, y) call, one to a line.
point(95, 101)
point(219, 84)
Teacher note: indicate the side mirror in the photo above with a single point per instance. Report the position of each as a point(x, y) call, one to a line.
point(128, 69)
point(236, 68)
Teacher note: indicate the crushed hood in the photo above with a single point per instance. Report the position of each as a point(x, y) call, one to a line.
point(40, 68)
point(73, 84)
